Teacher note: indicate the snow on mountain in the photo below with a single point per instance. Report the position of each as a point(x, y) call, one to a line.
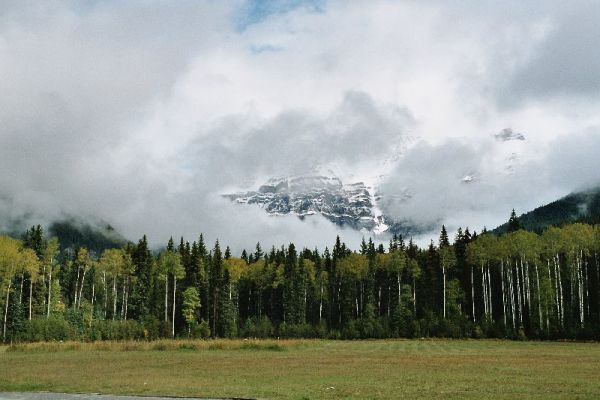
point(349, 194)
point(353, 204)
point(508, 134)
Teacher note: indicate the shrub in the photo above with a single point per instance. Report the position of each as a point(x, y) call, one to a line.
point(47, 329)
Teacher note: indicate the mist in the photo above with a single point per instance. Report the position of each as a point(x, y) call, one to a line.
point(144, 114)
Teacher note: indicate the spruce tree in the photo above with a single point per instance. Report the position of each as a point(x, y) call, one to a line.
point(444, 241)
point(258, 253)
point(216, 285)
point(514, 223)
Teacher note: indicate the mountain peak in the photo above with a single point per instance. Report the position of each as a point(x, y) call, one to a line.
point(507, 134)
point(353, 204)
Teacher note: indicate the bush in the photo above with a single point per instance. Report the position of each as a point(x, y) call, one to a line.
point(41, 329)
point(201, 330)
point(115, 330)
point(258, 328)
point(153, 328)
point(521, 334)
point(295, 330)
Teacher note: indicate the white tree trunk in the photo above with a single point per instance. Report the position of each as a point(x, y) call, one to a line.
point(166, 296)
point(503, 292)
point(81, 289)
point(21, 293)
point(520, 305)
point(93, 299)
point(560, 291)
point(114, 297)
point(104, 285)
point(586, 285)
point(321, 304)
point(6, 309)
point(483, 290)
point(76, 288)
point(444, 277)
point(123, 299)
point(539, 299)
point(473, 294)
point(126, 299)
point(489, 292)
point(49, 291)
point(511, 289)
point(174, 302)
point(399, 288)
point(30, 296)
point(414, 296)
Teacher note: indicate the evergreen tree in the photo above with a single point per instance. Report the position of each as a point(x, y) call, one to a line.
point(514, 223)
point(444, 242)
point(258, 253)
point(215, 287)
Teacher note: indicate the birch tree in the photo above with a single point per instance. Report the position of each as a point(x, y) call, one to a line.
point(9, 268)
point(447, 260)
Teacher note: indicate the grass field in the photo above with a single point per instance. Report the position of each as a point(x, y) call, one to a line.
point(382, 369)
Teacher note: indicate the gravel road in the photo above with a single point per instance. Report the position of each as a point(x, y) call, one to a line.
point(91, 396)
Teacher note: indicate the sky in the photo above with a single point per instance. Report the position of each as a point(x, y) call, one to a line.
point(143, 113)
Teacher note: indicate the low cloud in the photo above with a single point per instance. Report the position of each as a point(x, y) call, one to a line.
point(143, 114)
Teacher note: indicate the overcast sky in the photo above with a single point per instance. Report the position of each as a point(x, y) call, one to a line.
point(142, 113)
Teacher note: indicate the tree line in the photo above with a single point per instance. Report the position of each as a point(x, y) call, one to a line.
point(517, 285)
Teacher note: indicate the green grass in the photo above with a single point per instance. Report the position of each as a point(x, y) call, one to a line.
point(382, 369)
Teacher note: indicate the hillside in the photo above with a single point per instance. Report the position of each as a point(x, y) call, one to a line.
point(96, 238)
point(72, 233)
point(576, 207)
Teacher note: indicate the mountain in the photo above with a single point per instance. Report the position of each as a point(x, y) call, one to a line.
point(353, 205)
point(73, 233)
point(507, 134)
point(581, 206)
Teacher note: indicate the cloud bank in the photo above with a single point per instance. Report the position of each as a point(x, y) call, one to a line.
point(142, 114)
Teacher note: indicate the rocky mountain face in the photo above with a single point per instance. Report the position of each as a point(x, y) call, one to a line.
point(353, 205)
point(507, 134)
point(357, 204)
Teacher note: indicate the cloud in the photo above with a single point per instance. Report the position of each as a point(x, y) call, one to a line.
point(428, 185)
point(564, 62)
point(143, 113)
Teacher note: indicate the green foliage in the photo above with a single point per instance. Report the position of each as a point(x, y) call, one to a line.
point(261, 328)
point(191, 303)
point(518, 285)
point(200, 330)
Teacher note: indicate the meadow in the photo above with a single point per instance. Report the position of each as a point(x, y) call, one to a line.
point(309, 369)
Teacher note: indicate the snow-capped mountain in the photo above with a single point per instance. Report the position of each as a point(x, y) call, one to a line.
point(360, 196)
point(507, 134)
point(353, 205)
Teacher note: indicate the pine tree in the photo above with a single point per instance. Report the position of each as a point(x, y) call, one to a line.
point(514, 223)
point(215, 285)
point(143, 265)
point(444, 242)
point(363, 246)
point(258, 253)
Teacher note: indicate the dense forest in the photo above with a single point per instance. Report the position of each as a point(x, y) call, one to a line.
point(516, 285)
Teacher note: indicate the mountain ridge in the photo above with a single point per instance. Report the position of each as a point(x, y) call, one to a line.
point(580, 206)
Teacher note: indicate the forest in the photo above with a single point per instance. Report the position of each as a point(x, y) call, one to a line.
point(517, 285)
